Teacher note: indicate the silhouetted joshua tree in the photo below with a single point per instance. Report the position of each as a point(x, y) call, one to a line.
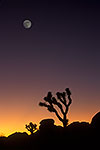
point(31, 127)
point(60, 102)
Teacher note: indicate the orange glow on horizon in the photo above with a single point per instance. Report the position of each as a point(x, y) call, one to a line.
point(17, 124)
point(14, 116)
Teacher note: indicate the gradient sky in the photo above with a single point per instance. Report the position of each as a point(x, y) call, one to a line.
point(62, 49)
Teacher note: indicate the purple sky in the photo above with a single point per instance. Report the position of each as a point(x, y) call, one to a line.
point(62, 49)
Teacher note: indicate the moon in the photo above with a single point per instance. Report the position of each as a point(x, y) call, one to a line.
point(27, 24)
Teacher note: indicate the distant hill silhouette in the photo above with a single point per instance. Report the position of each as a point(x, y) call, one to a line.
point(77, 135)
point(17, 140)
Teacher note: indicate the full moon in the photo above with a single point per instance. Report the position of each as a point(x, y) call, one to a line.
point(27, 24)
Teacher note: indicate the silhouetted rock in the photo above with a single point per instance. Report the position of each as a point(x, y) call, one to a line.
point(17, 140)
point(77, 135)
point(78, 126)
point(95, 125)
point(96, 121)
point(2, 142)
point(18, 135)
point(78, 132)
point(46, 124)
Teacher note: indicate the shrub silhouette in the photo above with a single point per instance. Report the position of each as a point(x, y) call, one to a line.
point(60, 102)
point(31, 127)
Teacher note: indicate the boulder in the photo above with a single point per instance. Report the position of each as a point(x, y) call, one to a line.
point(96, 121)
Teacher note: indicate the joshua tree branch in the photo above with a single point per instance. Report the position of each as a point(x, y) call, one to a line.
point(59, 95)
point(58, 116)
point(70, 100)
point(60, 106)
point(51, 101)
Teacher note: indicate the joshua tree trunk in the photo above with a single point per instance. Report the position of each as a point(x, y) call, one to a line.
point(65, 121)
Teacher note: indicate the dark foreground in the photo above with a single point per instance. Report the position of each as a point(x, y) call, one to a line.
point(76, 135)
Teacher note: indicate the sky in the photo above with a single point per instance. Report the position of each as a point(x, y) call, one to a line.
point(60, 50)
